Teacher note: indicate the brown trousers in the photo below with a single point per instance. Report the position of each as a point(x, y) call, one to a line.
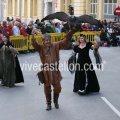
point(56, 89)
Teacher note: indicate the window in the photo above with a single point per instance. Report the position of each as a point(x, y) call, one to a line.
point(93, 1)
point(109, 6)
point(110, 1)
point(93, 6)
point(105, 1)
point(105, 10)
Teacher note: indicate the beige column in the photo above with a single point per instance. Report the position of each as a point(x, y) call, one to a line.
point(72, 1)
point(118, 2)
point(26, 4)
point(39, 9)
point(22, 10)
point(66, 6)
point(17, 8)
point(79, 7)
point(62, 4)
point(100, 9)
point(13, 10)
point(31, 8)
point(87, 7)
point(28, 10)
point(33, 4)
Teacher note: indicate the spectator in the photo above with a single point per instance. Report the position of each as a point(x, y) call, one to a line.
point(105, 23)
point(42, 27)
point(1, 35)
point(114, 38)
point(104, 36)
point(5, 27)
point(16, 30)
point(23, 31)
point(109, 29)
point(84, 28)
point(29, 29)
point(37, 21)
point(8, 19)
point(18, 20)
point(9, 29)
point(57, 27)
point(50, 28)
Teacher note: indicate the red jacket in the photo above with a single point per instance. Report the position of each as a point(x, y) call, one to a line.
point(85, 29)
point(18, 20)
point(23, 31)
point(9, 30)
point(5, 29)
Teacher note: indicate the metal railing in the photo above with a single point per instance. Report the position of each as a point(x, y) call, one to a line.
point(22, 43)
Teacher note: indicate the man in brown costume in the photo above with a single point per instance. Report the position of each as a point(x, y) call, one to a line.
point(49, 55)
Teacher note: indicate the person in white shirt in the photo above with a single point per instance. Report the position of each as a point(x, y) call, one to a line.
point(109, 30)
point(16, 30)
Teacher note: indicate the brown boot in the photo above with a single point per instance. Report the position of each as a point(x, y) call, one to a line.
point(56, 100)
point(48, 102)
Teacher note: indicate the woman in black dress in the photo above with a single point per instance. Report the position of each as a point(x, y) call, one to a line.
point(85, 77)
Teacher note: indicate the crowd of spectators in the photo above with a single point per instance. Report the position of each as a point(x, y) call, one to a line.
point(15, 27)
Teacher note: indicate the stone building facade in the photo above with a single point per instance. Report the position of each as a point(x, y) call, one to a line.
point(37, 9)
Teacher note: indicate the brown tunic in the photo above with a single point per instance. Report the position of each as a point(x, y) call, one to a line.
point(51, 57)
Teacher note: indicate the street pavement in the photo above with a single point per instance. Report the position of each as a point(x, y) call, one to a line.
point(26, 101)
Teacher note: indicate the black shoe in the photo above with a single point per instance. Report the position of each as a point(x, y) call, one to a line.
point(81, 92)
point(48, 107)
point(56, 105)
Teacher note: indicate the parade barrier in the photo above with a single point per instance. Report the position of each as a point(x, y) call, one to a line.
point(22, 43)
point(38, 38)
point(54, 38)
point(19, 42)
point(89, 35)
